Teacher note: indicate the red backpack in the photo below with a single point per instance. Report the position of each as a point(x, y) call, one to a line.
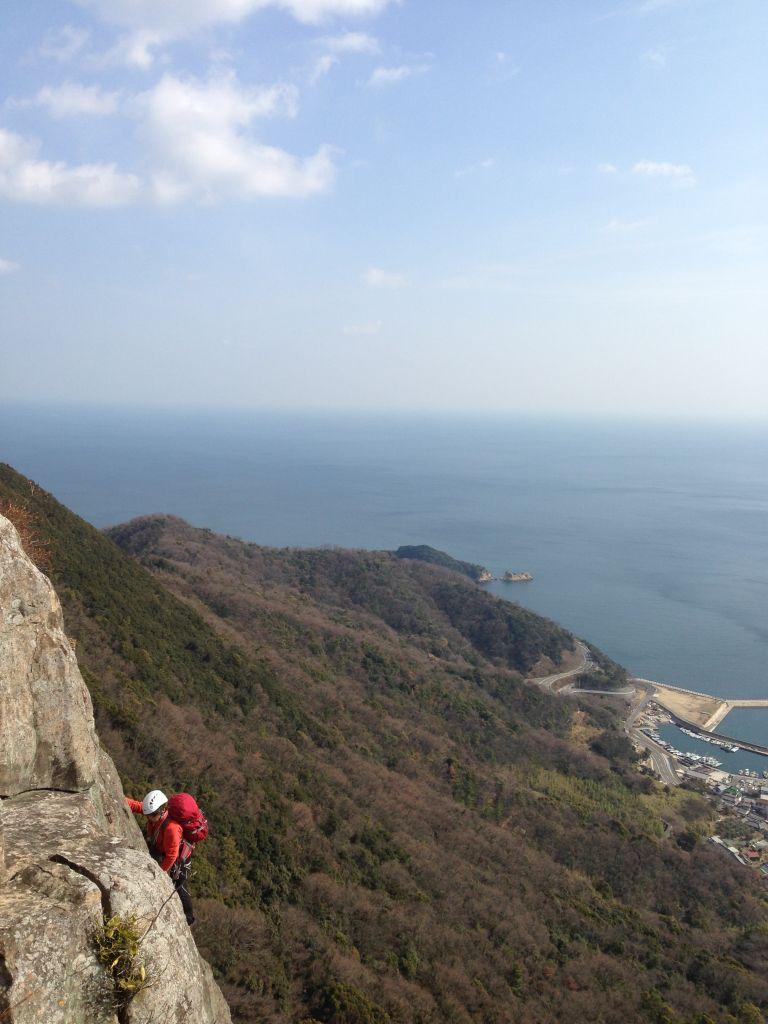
point(183, 809)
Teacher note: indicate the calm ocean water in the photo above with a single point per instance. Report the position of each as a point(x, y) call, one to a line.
point(651, 540)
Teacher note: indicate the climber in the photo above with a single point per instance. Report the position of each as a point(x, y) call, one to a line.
point(173, 827)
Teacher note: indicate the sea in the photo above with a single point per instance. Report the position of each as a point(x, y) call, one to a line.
point(648, 538)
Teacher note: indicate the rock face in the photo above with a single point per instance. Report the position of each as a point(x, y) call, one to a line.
point(71, 855)
point(47, 722)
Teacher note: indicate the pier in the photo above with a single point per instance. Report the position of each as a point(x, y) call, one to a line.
point(701, 712)
point(726, 706)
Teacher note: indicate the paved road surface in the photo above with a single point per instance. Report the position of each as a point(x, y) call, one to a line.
point(549, 681)
point(662, 762)
point(643, 697)
point(570, 689)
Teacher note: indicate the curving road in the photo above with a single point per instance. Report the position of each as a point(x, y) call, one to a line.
point(547, 682)
point(662, 763)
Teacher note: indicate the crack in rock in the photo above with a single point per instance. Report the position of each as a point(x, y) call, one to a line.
point(121, 1009)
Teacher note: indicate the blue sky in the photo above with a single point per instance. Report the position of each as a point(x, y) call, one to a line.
point(528, 206)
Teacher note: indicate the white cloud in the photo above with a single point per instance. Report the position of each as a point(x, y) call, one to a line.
point(135, 50)
point(482, 165)
point(351, 42)
point(348, 42)
point(8, 266)
point(382, 77)
point(71, 100)
point(221, 56)
point(65, 43)
point(648, 6)
point(617, 226)
point(653, 169)
point(374, 277)
point(503, 67)
point(322, 66)
point(652, 6)
point(24, 178)
point(316, 11)
point(177, 18)
point(656, 58)
point(200, 144)
point(154, 23)
point(367, 330)
point(682, 173)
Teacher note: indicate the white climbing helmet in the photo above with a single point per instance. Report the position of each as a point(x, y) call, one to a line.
point(153, 801)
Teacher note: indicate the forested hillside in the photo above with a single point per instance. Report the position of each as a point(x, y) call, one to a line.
point(425, 553)
point(404, 831)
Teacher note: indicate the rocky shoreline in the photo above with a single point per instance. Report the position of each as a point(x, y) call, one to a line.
point(516, 577)
point(486, 576)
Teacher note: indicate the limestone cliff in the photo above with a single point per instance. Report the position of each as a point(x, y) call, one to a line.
point(71, 855)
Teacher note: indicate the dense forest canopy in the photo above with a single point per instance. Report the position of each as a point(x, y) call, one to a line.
point(433, 556)
point(404, 831)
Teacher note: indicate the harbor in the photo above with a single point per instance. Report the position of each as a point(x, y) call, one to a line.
point(692, 749)
point(700, 711)
point(699, 714)
point(715, 760)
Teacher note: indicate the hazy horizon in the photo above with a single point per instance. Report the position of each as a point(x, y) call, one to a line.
point(623, 416)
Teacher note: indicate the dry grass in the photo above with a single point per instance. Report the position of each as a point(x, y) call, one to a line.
point(582, 730)
point(38, 549)
point(117, 946)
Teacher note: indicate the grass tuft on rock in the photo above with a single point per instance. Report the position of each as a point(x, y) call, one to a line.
point(117, 946)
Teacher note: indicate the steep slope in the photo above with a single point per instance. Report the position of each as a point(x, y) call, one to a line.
point(403, 829)
point(72, 856)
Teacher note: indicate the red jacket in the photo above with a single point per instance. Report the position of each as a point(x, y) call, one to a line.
point(164, 836)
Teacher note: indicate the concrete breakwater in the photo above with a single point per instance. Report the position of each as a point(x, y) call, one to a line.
point(701, 711)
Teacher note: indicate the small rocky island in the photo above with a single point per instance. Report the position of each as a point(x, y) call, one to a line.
point(516, 577)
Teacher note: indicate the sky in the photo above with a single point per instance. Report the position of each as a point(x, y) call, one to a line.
point(549, 206)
